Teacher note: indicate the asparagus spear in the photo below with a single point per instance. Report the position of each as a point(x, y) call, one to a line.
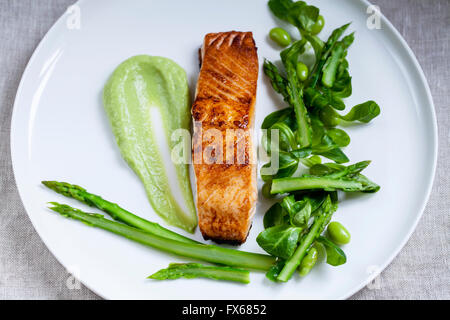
point(196, 270)
point(336, 56)
point(208, 253)
point(114, 210)
point(337, 171)
point(279, 83)
point(289, 57)
point(349, 171)
point(283, 185)
point(314, 232)
point(329, 46)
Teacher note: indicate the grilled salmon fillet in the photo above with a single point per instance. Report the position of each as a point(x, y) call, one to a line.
point(223, 152)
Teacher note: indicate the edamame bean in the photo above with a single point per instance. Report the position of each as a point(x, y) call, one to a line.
point(337, 233)
point(280, 36)
point(321, 251)
point(266, 190)
point(302, 71)
point(329, 117)
point(308, 261)
point(318, 26)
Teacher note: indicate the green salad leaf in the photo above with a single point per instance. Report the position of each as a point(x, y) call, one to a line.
point(279, 241)
point(274, 216)
point(297, 13)
point(335, 255)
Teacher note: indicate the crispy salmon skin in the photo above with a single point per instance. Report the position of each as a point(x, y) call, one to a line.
point(223, 151)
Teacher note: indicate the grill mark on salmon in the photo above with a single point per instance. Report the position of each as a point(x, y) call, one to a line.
point(224, 90)
point(228, 71)
point(224, 99)
point(227, 80)
point(232, 93)
point(228, 68)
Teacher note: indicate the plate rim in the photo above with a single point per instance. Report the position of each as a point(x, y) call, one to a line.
point(392, 33)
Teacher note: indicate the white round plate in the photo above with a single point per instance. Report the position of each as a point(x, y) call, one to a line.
point(60, 132)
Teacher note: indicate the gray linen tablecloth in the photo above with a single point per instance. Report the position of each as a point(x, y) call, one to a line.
point(421, 271)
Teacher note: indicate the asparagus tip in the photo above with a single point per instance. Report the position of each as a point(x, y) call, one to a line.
point(47, 183)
